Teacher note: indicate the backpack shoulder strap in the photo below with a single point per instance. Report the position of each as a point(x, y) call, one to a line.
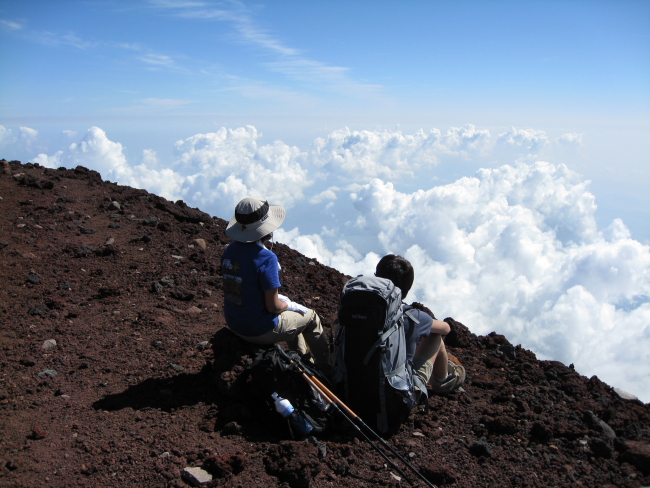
point(380, 341)
point(409, 311)
point(382, 338)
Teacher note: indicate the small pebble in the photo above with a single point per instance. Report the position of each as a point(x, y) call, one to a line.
point(47, 373)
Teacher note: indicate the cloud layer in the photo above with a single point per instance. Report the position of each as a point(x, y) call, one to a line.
point(514, 248)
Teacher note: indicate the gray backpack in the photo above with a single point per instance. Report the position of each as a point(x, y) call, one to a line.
point(372, 373)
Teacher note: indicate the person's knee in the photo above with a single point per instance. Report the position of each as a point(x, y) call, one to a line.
point(314, 323)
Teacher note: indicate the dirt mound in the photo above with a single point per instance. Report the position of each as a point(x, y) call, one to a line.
point(116, 369)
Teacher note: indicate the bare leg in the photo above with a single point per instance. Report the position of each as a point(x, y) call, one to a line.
point(440, 365)
point(433, 347)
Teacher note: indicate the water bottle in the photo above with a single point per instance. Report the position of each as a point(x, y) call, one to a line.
point(299, 424)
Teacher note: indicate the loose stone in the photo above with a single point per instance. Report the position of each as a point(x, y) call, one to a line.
point(196, 476)
point(47, 373)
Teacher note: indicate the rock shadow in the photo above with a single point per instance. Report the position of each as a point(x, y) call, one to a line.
point(182, 390)
point(222, 381)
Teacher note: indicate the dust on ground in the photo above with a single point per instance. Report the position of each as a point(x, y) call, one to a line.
point(117, 370)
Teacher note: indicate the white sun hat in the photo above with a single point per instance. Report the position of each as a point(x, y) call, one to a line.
point(254, 218)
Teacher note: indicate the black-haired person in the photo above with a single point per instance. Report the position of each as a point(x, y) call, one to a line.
point(253, 308)
point(425, 346)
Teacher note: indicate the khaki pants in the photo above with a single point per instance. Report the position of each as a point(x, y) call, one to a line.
point(303, 333)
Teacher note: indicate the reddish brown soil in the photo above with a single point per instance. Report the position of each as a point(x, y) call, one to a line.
point(131, 394)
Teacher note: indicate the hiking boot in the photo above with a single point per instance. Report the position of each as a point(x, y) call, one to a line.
point(455, 377)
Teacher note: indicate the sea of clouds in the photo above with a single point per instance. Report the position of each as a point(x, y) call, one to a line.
point(513, 248)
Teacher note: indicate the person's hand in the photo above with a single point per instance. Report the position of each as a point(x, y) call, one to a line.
point(293, 306)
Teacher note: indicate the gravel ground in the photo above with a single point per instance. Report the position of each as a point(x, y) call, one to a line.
point(116, 369)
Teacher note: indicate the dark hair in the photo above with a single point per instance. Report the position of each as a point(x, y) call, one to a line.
point(398, 270)
point(419, 306)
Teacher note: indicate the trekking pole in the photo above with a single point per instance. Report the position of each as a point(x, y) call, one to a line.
point(377, 448)
point(349, 413)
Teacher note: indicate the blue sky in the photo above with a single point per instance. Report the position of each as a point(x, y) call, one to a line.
point(153, 72)
point(502, 146)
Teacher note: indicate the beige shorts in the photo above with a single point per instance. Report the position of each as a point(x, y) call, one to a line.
point(422, 368)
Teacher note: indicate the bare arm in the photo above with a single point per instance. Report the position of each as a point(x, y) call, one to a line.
point(430, 347)
point(273, 302)
point(440, 327)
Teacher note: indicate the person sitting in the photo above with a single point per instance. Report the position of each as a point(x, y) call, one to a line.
point(425, 346)
point(253, 308)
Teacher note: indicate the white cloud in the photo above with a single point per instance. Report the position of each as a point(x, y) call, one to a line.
point(48, 161)
point(228, 165)
point(529, 138)
point(19, 140)
point(153, 60)
point(309, 245)
point(10, 25)
point(57, 39)
point(6, 136)
point(329, 194)
point(157, 60)
point(571, 138)
point(149, 157)
point(364, 155)
point(28, 134)
point(99, 153)
point(598, 338)
point(465, 140)
point(286, 60)
point(213, 171)
point(515, 248)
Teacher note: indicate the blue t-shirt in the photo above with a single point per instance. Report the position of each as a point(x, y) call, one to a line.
point(248, 270)
point(413, 332)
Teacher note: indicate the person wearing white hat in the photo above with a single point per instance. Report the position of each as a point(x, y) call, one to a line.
point(253, 308)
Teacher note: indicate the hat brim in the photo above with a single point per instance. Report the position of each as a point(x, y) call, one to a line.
point(255, 231)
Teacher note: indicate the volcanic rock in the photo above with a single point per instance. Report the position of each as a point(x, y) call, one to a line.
point(132, 376)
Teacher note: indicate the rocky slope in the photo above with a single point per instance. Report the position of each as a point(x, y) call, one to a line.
point(116, 369)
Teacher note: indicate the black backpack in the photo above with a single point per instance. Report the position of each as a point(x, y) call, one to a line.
point(275, 370)
point(372, 373)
